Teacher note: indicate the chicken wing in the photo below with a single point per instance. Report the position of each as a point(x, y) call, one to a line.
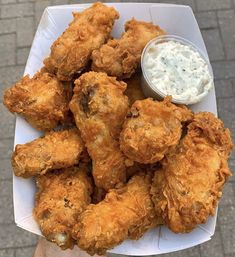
point(99, 107)
point(187, 188)
point(62, 196)
point(90, 29)
point(98, 195)
point(152, 129)
point(121, 57)
point(55, 150)
point(41, 100)
point(133, 90)
point(126, 212)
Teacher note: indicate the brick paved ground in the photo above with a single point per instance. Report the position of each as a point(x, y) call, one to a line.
point(18, 21)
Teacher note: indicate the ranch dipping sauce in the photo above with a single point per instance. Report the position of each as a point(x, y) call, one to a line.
point(176, 69)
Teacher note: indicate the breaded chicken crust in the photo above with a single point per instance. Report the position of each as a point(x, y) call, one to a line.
point(134, 91)
point(127, 212)
point(98, 195)
point(61, 197)
point(89, 29)
point(121, 57)
point(41, 100)
point(152, 129)
point(187, 188)
point(99, 107)
point(55, 150)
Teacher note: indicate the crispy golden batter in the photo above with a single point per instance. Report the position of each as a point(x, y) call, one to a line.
point(187, 188)
point(126, 212)
point(62, 196)
point(98, 195)
point(152, 129)
point(133, 90)
point(99, 107)
point(121, 57)
point(41, 100)
point(55, 150)
point(90, 29)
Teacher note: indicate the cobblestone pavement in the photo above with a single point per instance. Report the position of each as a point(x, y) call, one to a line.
point(18, 21)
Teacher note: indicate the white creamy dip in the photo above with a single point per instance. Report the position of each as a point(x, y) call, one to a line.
point(178, 70)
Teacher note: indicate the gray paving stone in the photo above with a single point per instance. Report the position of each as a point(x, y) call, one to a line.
point(228, 195)
point(59, 2)
point(114, 1)
point(223, 69)
point(182, 2)
point(12, 236)
point(232, 168)
point(228, 238)
point(121, 255)
point(233, 82)
point(7, 123)
point(232, 155)
point(22, 55)
point(224, 88)
point(191, 3)
point(191, 252)
point(226, 110)
point(7, 253)
point(206, 20)
point(226, 214)
point(5, 169)
point(25, 252)
point(39, 8)
point(6, 148)
point(6, 206)
point(6, 188)
point(25, 31)
point(213, 247)
point(227, 26)
point(22, 1)
point(104, 1)
point(8, 1)
point(80, 1)
point(7, 26)
point(17, 10)
point(203, 5)
point(8, 76)
point(214, 44)
point(7, 50)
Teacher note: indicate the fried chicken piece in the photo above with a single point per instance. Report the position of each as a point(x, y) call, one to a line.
point(98, 195)
point(62, 196)
point(133, 90)
point(41, 100)
point(121, 57)
point(99, 107)
point(152, 129)
point(187, 188)
point(126, 212)
point(89, 29)
point(55, 150)
point(134, 168)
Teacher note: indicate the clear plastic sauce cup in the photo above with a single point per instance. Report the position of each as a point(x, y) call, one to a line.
point(151, 89)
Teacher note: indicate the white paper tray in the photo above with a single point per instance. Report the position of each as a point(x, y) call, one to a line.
point(175, 19)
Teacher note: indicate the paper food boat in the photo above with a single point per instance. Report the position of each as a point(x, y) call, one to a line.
point(174, 19)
